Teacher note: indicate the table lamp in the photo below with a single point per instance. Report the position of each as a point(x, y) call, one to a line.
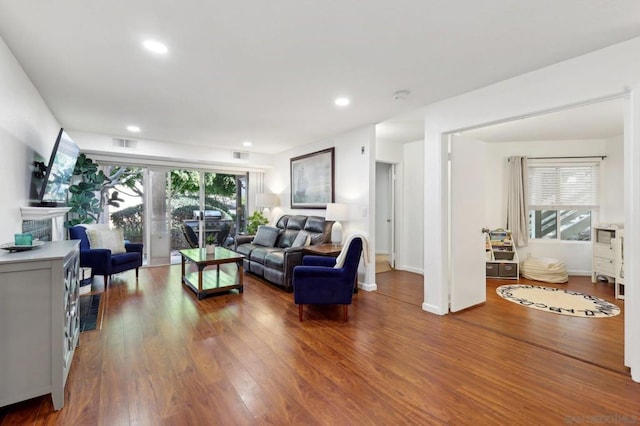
point(265, 201)
point(337, 212)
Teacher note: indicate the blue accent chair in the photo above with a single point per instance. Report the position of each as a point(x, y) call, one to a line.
point(317, 282)
point(101, 261)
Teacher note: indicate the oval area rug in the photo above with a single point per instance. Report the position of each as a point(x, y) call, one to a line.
point(558, 301)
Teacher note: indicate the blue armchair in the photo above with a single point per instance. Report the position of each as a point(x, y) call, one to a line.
point(102, 261)
point(317, 282)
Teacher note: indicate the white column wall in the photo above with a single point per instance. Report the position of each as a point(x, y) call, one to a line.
point(411, 241)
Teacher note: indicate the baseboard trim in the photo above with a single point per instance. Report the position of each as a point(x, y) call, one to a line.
point(368, 286)
point(579, 273)
point(418, 271)
point(432, 309)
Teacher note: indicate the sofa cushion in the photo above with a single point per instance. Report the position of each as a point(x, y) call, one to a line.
point(274, 260)
point(266, 236)
point(287, 237)
point(315, 224)
point(111, 239)
point(259, 253)
point(297, 222)
point(246, 249)
point(282, 222)
point(317, 238)
point(303, 239)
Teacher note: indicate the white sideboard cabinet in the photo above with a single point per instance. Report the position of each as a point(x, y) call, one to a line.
point(39, 321)
point(618, 246)
point(607, 255)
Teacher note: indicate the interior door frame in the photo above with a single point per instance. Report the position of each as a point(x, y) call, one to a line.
point(392, 206)
point(437, 128)
point(393, 181)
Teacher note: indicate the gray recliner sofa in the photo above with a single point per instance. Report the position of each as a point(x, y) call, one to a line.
point(275, 264)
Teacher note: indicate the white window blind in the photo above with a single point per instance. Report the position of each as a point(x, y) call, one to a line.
point(563, 186)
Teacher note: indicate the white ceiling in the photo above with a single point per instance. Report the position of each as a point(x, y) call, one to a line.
point(268, 71)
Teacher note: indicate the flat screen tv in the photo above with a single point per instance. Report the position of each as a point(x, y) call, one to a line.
point(57, 177)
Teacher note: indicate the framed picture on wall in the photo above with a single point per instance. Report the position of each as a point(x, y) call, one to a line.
point(312, 180)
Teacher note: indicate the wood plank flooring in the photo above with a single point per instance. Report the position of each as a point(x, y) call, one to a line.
point(162, 357)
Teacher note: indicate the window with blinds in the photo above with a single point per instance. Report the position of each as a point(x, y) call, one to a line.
point(562, 198)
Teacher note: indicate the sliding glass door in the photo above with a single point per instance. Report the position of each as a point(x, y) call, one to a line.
point(203, 208)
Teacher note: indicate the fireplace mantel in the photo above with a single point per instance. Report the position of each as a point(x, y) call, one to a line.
point(40, 213)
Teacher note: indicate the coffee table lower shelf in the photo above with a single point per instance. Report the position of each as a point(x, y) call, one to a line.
point(213, 281)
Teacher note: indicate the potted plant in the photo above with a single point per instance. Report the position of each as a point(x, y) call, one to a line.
point(255, 220)
point(210, 243)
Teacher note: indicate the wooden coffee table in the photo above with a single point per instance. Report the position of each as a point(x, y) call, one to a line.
point(205, 283)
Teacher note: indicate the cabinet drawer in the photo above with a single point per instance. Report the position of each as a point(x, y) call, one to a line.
point(508, 270)
point(492, 269)
point(604, 266)
point(604, 251)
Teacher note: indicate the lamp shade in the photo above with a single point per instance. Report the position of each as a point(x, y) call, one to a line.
point(267, 200)
point(337, 211)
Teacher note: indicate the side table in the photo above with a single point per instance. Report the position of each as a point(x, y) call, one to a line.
point(332, 250)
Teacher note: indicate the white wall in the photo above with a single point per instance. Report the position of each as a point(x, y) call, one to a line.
point(26, 126)
point(612, 208)
point(575, 254)
point(388, 152)
point(597, 75)
point(354, 172)
point(411, 243)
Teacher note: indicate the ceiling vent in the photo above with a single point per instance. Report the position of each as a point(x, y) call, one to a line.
point(238, 155)
point(124, 143)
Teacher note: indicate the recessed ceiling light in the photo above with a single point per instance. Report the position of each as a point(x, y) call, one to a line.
point(342, 102)
point(247, 143)
point(155, 47)
point(133, 129)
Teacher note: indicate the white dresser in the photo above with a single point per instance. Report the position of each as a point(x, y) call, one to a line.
point(39, 321)
point(606, 253)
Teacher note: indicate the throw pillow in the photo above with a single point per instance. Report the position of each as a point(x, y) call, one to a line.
point(266, 236)
point(111, 239)
point(303, 239)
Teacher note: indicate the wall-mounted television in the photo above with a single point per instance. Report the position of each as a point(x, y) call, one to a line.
point(58, 174)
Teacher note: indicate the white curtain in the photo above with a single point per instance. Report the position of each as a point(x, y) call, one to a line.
point(518, 200)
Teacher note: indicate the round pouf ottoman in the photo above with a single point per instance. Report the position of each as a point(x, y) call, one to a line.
point(544, 269)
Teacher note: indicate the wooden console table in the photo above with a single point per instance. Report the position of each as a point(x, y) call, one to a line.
point(204, 283)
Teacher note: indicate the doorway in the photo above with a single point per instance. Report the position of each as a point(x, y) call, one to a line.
point(385, 216)
point(557, 134)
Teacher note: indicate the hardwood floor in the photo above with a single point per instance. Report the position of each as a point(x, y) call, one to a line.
point(382, 263)
point(162, 357)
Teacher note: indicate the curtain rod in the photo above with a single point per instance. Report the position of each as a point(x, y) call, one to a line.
point(602, 157)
